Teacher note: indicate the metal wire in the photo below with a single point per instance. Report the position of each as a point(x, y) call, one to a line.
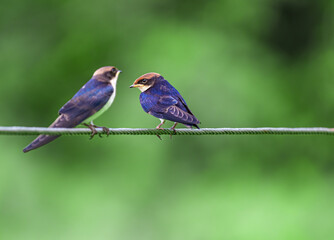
point(180, 131)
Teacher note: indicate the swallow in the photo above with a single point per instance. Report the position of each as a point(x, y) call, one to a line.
point(93, 99)
point(161, 100)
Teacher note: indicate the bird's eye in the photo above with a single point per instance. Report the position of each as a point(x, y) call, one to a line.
point(144, 81)
point(113, 70)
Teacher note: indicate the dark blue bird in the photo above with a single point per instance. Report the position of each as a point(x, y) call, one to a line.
point(160, 99)
point(93, 99)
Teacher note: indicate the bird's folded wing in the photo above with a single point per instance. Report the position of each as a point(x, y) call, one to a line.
point(176, 114)
point(167, 101)
point(87, 102)
point(184, 104)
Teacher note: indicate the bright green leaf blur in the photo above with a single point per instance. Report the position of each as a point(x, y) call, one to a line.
point(237, 63)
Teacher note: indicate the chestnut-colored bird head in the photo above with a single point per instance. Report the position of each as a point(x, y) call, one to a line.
point(145, 81)
point(106, 74)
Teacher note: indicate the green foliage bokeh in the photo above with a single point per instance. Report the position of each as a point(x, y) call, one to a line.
point(237, 63)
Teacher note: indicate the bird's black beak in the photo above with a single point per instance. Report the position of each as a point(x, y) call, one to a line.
point(135, 85)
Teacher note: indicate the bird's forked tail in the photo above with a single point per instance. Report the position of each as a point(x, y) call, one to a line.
point(41, 140)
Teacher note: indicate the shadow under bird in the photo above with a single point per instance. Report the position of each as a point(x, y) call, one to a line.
point(93, 99)
point(160, 99)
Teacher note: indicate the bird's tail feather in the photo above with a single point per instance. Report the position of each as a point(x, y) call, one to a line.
point(41, 140)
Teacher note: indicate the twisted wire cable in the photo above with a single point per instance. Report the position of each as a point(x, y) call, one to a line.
point(181, 131)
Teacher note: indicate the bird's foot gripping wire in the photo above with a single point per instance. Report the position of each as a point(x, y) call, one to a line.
point(173, 129)
point(92, 128)
point(160, 128)
point(158, 134)
point(105, 130)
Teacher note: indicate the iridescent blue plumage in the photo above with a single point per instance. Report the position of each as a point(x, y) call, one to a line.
point(87, 104)
point(88, 100)
point(160, 99)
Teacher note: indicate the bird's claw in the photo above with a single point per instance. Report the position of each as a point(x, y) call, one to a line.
point(159, 128)
point(94, 132)
point(106, 130)
point(174, 133)
point(92, 128)
point(173, 129)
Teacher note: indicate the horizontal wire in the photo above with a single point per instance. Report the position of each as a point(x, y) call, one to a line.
point(15, 130)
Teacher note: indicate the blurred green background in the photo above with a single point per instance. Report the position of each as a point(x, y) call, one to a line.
point(237, 63)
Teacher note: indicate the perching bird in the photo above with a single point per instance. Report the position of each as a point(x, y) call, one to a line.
point(93, 99)
point(160, 99)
